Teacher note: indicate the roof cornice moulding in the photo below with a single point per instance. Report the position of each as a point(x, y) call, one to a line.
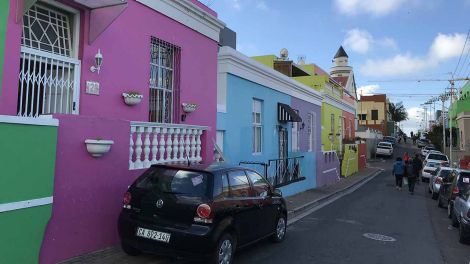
point(233, 62)
point(338, 103)
point(188, 14)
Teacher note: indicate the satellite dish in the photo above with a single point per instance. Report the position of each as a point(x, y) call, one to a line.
point(284, 53)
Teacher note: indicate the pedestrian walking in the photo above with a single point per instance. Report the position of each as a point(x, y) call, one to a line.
point(411, 176)
point(398, 171)
point(417, 167)
point(406, 157)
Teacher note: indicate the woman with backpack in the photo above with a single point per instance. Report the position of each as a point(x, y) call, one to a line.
point(398, 171)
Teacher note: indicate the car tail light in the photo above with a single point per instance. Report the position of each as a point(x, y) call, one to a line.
point(126, 200)
point(203, 214)
point(438, 180)
point(455, 190)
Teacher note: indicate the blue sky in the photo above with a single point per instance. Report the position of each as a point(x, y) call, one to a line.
point(385, 40)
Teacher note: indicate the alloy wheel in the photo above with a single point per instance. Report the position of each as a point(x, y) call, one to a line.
point(281, 228)
point(225, 252)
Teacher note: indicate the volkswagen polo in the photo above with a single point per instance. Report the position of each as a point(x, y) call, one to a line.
point(202, 212)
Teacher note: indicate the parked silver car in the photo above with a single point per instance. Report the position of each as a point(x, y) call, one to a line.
point(437, 179)
point(461, 206)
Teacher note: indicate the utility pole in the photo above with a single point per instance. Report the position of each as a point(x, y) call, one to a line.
point(452, 82)
point(443, 99)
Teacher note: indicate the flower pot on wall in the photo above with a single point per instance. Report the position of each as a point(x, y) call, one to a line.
point(132, 98)
point(98, 147)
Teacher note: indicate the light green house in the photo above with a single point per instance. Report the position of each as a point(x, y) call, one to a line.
point(459, 119)
point(332, 106)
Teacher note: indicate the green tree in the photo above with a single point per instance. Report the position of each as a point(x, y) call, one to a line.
point(398, 112)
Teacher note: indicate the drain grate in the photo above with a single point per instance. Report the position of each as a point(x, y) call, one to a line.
point(379, 237)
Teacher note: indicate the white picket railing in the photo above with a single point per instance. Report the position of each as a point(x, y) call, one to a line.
point(157, 143)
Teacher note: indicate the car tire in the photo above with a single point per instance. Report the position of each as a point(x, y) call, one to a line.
point(455, 221)
point(439, 202)
point(280, 229)
point(225, 249)
point(449, 211)
point(129, 250)
point(463, 237)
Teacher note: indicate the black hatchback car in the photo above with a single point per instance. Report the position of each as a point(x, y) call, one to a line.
point(200, 211)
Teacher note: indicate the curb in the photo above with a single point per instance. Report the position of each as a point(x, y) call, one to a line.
point(300, 212)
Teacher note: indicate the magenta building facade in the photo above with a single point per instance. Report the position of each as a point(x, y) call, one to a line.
point(162, 52)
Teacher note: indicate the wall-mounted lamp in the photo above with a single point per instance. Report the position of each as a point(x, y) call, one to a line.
point(98, 62)
point(187, 108)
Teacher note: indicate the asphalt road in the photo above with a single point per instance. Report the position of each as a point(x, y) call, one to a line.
point(335, 233)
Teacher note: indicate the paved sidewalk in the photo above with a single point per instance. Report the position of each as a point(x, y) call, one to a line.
point(302, 202)
point(297, 205)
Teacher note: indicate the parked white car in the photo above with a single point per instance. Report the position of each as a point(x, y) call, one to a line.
point(428, 169)
point(425, 150)
point(436, 157)
point(384, 149)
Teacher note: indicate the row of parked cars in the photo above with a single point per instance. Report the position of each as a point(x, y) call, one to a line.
point(202, 212)
point(450, 187)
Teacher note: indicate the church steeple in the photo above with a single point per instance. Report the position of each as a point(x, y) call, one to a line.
point(341, 53)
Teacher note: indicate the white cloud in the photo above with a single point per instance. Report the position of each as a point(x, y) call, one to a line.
point(443, 47)
point(447, 46)
point(373, 7)
point(358, 40)
point(367, 89)
point(361, 41)
point(398, 65)
point(414, 120)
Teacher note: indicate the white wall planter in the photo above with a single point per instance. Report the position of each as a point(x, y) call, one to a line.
point(132, 99)
point(97, 148)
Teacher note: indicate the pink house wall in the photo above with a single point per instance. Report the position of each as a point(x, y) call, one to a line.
point(87, 191)
point(125, 46)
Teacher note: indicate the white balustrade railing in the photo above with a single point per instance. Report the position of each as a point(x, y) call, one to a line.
point(157, 143)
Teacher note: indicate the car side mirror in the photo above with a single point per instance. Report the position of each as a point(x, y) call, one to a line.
point(277, 192)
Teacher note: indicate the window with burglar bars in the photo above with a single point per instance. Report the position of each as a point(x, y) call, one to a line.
point(49, 76)
point(164, 81)
point(257, 125)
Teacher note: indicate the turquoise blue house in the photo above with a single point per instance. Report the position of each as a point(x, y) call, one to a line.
point(267, 121)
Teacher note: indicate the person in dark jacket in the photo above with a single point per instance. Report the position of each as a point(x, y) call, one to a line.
point(411, 176)
point(398, 171)
point(417, 166)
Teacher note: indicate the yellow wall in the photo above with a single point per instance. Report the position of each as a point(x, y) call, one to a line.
point(267, 60)
point(350, 164)
point(367, 107)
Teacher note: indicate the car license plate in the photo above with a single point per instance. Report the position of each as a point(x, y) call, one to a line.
point(152, 234)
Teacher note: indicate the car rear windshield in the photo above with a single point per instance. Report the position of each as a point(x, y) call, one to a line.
point(445, 173)
point(464, 181)
point(437, 157)
point(384, 146)
point(174, 181)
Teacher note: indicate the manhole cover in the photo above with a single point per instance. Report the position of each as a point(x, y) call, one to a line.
point(379, 237)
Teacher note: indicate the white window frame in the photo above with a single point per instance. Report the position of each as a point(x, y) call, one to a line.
point(220, 135)
point(71, 60)
point(350, 128)
point(156, 86)
point(332, 125)
point(257, 144)
point(311, 119)
point(295, 137)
